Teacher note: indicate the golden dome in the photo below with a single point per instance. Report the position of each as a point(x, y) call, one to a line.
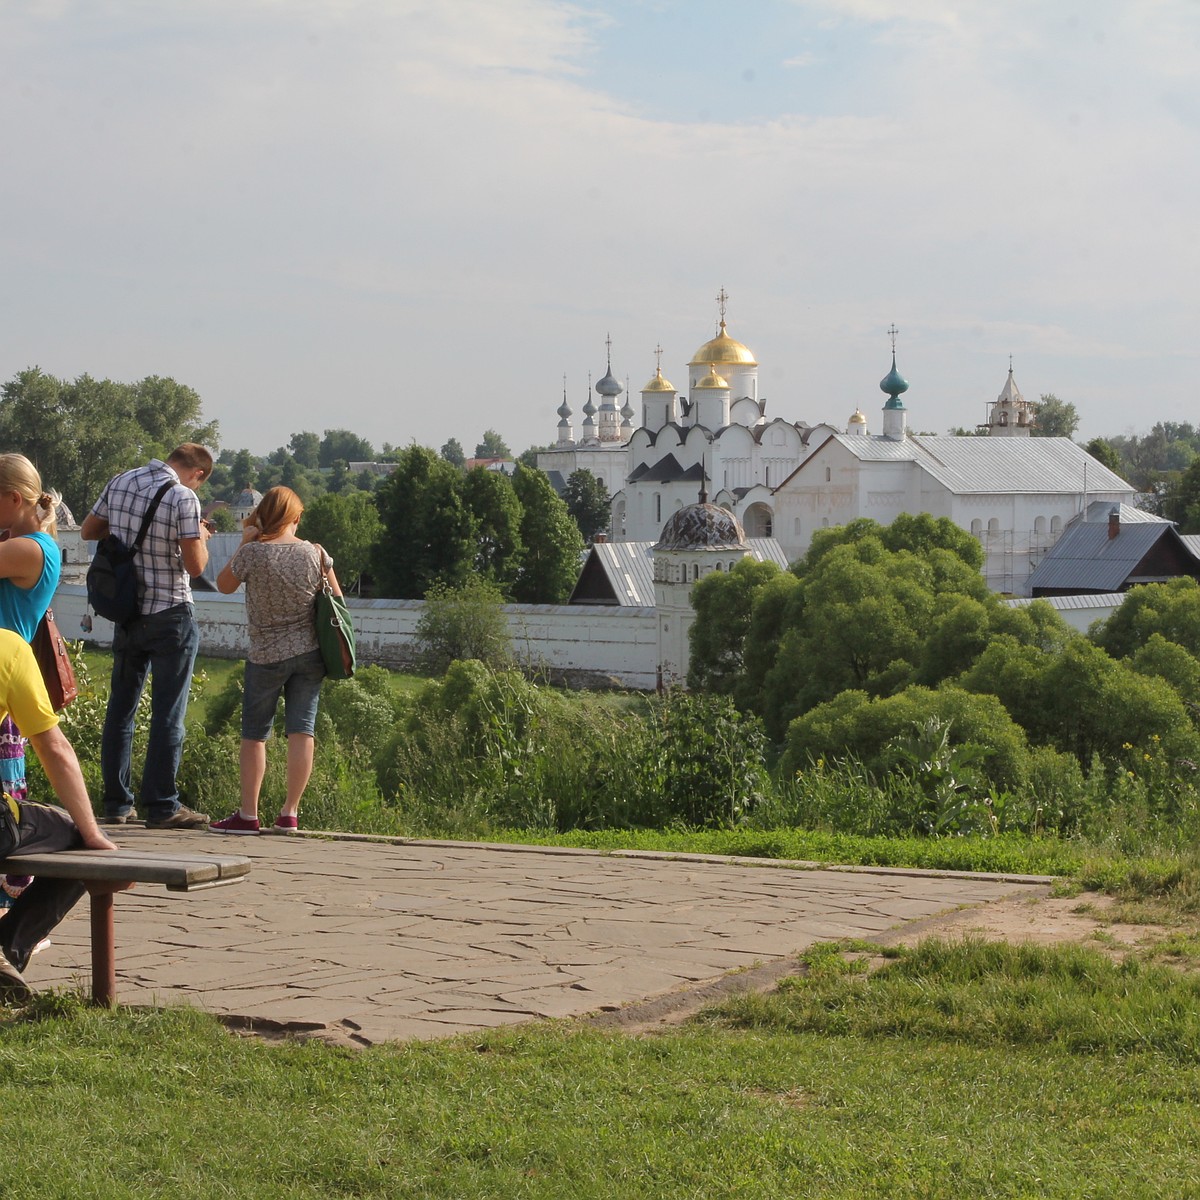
point(712, 380)
point(724, 349)
point(658, 383)
point(858, 418)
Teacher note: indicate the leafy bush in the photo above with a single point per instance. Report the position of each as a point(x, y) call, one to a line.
point(705, 762)
point(464, 622)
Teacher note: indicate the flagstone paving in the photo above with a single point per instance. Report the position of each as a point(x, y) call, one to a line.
point(373, 940)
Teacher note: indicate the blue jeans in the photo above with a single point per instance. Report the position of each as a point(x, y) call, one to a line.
point(165, 644)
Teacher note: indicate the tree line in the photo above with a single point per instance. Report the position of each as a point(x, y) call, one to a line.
point(884, 642)
point(427, 521)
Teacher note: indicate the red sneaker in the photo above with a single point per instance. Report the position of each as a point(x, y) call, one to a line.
point(235, 823)
point(286, 823)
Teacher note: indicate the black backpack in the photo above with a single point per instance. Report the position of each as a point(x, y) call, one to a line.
point(111, 579)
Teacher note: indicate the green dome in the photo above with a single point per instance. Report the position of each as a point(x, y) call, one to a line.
point(894, 384)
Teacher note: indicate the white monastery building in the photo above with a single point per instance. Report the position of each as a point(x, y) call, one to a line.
point(785, 479)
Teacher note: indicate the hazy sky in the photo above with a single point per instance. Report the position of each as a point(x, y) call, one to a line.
point(412, 219)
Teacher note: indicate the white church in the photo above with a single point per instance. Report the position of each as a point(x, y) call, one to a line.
point(785, 479)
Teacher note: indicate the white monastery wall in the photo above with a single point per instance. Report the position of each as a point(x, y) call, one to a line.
point(581, 646)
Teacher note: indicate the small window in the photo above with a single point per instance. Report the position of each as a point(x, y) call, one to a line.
point(796, 526)
point(1056, 524)
point(657, 507)
point(993, 526)
point(1039, 525)
point(828, 474)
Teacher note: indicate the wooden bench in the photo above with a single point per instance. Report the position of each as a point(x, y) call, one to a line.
point(105, 872)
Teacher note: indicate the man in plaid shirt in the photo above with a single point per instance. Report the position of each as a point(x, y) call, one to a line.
point(162, 639)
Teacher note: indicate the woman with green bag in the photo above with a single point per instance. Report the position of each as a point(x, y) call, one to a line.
point(282, 574)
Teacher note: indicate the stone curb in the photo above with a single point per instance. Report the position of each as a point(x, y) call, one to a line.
point(725, 860)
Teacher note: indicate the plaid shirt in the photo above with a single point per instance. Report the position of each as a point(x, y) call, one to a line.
point(163, 581)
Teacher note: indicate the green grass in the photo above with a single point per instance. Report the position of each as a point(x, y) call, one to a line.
point(755, 1100)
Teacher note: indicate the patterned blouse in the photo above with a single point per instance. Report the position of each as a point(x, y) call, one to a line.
point(282, 579)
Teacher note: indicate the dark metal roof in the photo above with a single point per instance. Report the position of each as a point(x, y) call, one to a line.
point(1087, 559)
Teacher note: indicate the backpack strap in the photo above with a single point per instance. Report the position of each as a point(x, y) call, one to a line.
point(162, 491)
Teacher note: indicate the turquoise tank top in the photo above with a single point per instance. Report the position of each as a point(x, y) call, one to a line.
point(21, 608)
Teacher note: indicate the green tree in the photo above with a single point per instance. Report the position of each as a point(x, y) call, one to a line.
point(1105, 453)
point(79, 434)
point(170, 413)
point(723, 601)
point(306, 449)
point(461, 623)
point(490, 498)
point(341, 443)
point(453, 453)
point(1171, 609)
point(244, 471)
point(1054, 417)
point(588, 502)
point(551, 539)
point(1181, 503)
point(492, 446)
point(428, 532)
point(224, 520)
point(348, 526)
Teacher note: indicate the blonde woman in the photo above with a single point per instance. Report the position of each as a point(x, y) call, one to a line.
point(282, 574)
point(30, 563)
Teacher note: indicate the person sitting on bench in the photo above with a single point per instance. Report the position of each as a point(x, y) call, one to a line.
point(34, 828)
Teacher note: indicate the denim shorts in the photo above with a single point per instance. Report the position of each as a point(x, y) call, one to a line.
point(297, 679)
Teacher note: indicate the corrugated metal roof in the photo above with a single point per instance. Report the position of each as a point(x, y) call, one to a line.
point(966, 465)
point(1087, 559)
point(629, 566)
point(1100, 510)
point(1069, 603)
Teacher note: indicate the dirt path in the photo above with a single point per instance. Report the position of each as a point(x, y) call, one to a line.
point(1089, 919)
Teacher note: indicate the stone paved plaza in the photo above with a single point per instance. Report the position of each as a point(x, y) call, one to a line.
point(371, 941)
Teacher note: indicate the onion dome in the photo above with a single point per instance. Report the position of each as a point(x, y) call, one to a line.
point(627, 412)
point(894, 384)
point(701, 527)
point(857, 418)
point(564, 409)
point(659, 384)
point(608, 386)
point(724, 349)
point(712, 380)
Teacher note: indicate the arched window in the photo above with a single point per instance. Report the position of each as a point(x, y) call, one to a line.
point(657, 507)
point(828, 474)
point(1039, 524)
point(993, 526)
point(796, 526)
point(1056, 524)
point(976, 527)
point(1004, 418)
point(695, 571)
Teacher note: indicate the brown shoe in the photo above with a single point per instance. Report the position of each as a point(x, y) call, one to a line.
point(182, 818)
point(12, 982)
